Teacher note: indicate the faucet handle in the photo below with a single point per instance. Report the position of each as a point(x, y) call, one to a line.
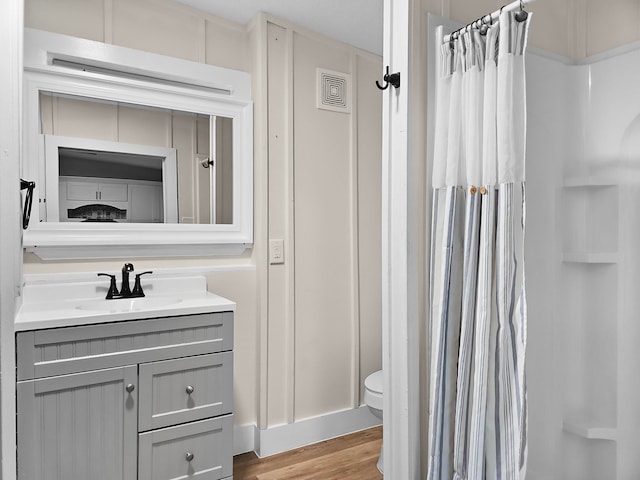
point(127, 267)
point(137, 288)
point(113, 290)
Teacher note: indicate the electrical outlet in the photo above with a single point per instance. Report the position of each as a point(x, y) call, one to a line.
point(276, 251)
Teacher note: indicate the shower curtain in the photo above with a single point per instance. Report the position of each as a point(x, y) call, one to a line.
point(478, 316)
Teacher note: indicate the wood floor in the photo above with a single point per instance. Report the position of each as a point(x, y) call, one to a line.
point(352, 457)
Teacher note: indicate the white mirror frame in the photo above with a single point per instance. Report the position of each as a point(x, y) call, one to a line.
point(135, 77)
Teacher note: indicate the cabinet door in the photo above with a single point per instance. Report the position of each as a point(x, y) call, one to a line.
point(113, 192)
point(82, 191)
point(78, 427)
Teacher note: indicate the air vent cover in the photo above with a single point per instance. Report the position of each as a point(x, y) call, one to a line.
point(334, 90)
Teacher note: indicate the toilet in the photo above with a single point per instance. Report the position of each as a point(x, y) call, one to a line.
point(373, 399)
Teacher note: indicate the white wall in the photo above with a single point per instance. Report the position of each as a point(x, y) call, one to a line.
point(583, 174)
point(548, 85)
point(602, 343)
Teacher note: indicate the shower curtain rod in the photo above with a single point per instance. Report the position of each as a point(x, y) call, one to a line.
point(490, 18)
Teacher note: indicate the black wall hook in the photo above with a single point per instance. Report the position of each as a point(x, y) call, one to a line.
point(26, 212)
point(393, 79)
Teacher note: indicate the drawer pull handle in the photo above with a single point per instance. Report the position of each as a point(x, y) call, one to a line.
point(189, 456)
point(189, 389)
point(130, 388)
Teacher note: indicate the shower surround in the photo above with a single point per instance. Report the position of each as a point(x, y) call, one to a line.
point(583, 179)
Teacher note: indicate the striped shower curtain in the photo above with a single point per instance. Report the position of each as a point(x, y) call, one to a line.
point(478, 316)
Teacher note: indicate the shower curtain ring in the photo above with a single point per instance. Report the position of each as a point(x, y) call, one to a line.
point(484, 27)
point(521, 15)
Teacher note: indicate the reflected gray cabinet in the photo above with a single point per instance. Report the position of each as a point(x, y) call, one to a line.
point(142, 200)
point(146, 399)
point(94, 191)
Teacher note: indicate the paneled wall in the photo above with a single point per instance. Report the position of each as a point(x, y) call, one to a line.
point(162, 27)
point(324, 202)
point(307, 331)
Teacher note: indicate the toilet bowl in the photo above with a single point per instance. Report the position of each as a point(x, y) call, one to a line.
point(373, 399)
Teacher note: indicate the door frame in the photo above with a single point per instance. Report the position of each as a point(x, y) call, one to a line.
point(11, 27)
point(400, 332)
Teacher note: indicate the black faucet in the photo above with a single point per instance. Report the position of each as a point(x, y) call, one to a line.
point(113, 289)
point(125, 289)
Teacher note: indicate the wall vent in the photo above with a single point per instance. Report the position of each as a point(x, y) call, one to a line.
point(334, 90)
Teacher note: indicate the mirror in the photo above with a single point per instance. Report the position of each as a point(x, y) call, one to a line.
point(171, 166)
point(146, 154)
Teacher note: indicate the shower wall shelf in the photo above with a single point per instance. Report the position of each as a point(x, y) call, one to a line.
point(590, 220)
point(590, 432)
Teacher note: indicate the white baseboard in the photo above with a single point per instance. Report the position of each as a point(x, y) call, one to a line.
point(244, 439)
point(282, 438)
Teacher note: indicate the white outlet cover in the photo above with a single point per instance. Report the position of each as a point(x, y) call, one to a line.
point(276, 251)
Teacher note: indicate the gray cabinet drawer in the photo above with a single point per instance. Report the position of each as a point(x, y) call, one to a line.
point(199, 450)
point(185, 389)
point(60, 351)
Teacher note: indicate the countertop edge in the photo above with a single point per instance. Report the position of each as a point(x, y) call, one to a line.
point(103, 318)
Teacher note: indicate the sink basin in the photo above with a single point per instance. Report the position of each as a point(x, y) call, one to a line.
point(123, 305)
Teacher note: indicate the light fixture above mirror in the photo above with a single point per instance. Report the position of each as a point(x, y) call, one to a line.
point(91, 109)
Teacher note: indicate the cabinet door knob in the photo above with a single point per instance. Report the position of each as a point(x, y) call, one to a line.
point(189, 389)
point(189, 456)
point(130, 388)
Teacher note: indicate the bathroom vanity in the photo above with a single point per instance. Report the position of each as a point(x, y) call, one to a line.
point(125, 389)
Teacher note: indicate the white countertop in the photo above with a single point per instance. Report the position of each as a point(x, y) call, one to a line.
point(52, 305)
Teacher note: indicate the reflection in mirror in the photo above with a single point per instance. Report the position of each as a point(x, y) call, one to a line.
point(105, 186)
point(110, 162)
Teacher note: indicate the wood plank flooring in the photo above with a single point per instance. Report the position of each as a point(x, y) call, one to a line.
point(352, 457)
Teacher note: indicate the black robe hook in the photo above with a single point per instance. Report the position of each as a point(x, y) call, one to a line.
point(393, 79)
